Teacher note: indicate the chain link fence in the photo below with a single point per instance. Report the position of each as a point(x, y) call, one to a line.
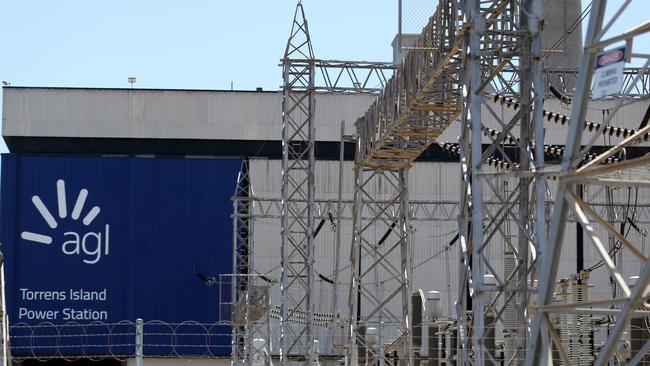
point(415, 14)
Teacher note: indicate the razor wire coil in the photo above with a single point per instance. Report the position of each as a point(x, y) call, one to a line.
point(102, 340)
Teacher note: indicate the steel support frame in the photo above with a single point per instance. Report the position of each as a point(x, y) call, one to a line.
point(265, 207)
point(303, 76)
point(418, 103)
point(568, 202)
point(500, 33)
point(380, 293)
point(297, 223)
point(249, 294)
point(421, 99)
point(340, 76)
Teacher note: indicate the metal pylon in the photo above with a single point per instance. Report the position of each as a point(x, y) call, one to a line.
point(300, 69)
point(251, 323)
point(633, 172)
point(297, 224)
point(380, 292)
point(502, 35)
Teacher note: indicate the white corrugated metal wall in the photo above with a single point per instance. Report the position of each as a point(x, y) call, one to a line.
point(226, 115)
point(164, 114)
point(434, 268)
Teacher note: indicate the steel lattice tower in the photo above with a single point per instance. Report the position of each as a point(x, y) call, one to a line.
point(300, 69)
point(297, 230)
point(468, 51)
point(250, 291)
point(501, 35)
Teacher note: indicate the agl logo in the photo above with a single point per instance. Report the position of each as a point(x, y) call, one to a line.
point(91, 246)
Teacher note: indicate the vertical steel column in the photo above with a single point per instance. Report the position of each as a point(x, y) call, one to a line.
point(535, 24)
point(465, 216)
point(399, 27)
point(476, 154)
point(339, 227)
point(525, 232)
point(380, 259)
point(551, 256)
point(354, 293)
point(380, 288)
point(240, 263)
point(297, 224)
point(531, 92)
point(139, 341)
point(249, 292)
point(406, 268)
point(235, 356)
point(496, 26)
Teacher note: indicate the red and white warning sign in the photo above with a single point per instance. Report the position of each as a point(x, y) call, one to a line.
point(608, 77)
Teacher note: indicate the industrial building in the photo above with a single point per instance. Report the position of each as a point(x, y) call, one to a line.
point(338, 222)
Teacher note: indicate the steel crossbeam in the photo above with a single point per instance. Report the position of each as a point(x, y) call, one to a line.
point(336, 76)
point(433, 210)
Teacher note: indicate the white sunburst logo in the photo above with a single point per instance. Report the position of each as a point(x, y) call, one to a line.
point(90, 244)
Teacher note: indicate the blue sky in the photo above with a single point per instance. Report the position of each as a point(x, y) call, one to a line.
point(188, 44)
point(193, 44)
point(179, 44)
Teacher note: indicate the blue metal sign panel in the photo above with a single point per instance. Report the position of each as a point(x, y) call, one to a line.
point(91, 244)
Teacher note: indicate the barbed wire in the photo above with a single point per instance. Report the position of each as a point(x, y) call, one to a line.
point(101, 340)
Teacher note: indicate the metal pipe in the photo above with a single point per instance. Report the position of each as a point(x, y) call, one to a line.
point(399, 28)
point(580, 246)
point(139, 340)
point(339, 223)
point(406, 268)
point(475, 102)
point(233, 285)
point(382, 353)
